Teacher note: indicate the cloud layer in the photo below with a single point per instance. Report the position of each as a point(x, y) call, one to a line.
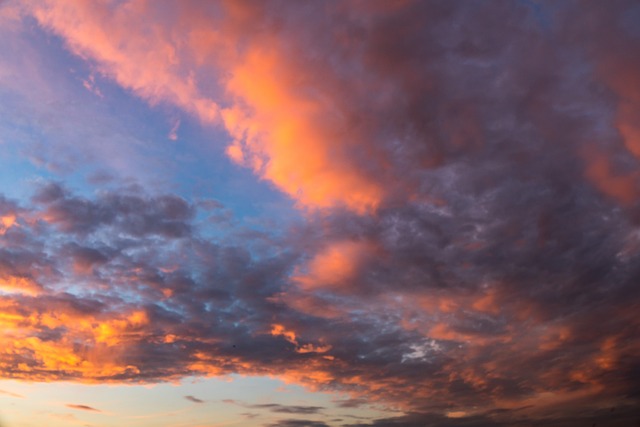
point(469, 175)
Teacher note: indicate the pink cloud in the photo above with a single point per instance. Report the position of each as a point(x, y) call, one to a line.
point(295, 140)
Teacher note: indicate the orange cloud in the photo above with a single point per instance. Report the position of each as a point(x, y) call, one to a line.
point(291, 139)
point(279, 330)
point(135, 51)
point(622, 74)
point(288, 130)
point(21, 285)
point(90, 348)
point(336, 266)
point(289, 124)
point(487, 303)
point(628, 123)
point(620, 186)
point(6, 222)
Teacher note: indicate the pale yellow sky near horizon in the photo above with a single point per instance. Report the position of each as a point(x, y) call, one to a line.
point(226, 401)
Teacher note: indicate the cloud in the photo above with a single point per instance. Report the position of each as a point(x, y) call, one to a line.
point(11, 394)
point(159, 81)
point(194, 399)
point(164, 216)
point(350, 403)
point(297, 423)
point(362, 148)
point(430, 420)
point(469, 174)
point(42, 94)
point(173, 133)
point(615, 417)
point(266, 122)
point(288, 409)
point(278, 408)
point(82, 407)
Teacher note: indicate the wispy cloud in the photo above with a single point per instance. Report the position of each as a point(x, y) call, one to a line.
point(278, 408)
point(82, 407)
point(287, 409)
point(297, 423)
point(11, 394)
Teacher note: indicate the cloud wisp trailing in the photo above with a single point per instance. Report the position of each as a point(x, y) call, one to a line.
point(278, 408)
point(194, 399)
point(11, 394)
point(82, 407)
point(468, 173)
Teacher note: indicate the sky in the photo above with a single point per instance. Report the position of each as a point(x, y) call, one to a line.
point(319, 213)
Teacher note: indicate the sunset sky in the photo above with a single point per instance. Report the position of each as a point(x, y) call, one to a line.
point(319, 213)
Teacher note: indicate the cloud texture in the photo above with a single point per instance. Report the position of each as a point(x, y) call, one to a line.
point(469, 174)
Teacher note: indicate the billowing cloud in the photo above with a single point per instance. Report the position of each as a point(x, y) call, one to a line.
point(308, 118)
point(131, 292)
point(469, 177)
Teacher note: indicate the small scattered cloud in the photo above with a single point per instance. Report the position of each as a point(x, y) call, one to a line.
point(288, 409)
point(350, 403)
point(279, 408)
point(11, 394)
point(173, 133)
point(194, 399)
point(297, 423)
point(82, 407)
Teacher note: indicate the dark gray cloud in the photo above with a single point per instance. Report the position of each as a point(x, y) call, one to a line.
point(430, 420)
point(165, 215)
point(226, 295)
point(194, 399)
point(350, 403)
point(278, 408)
point(287, 409)
point(610, 417)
